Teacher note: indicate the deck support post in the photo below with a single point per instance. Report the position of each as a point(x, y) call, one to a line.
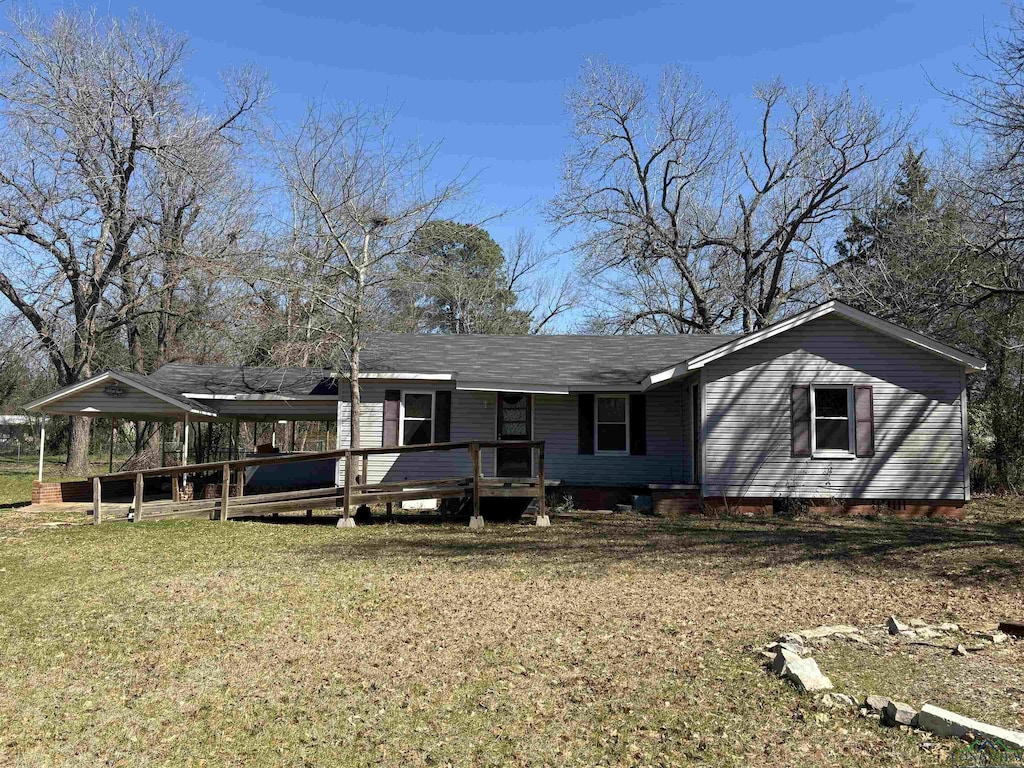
point(347, 521)
point(542, 512)
point(225, 492)
point(364, 470)
point(140, 485)
point(42, 444)
point(476, 521)
point(175, 487)
point(96, 503)
point(184, 449)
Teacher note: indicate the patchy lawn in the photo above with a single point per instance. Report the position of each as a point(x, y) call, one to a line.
point(603, 640)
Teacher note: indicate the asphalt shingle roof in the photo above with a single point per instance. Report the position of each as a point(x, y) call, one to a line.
point(551, 360)
point(237, 380)
point(557, 361)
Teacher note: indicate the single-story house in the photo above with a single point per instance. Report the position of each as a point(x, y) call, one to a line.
point(832, 404)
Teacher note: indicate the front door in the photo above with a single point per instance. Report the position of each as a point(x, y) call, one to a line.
point(514, 423)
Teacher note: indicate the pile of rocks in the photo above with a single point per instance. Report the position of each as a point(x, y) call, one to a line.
point(788, 662)
point(788, 659)
point(919, 629)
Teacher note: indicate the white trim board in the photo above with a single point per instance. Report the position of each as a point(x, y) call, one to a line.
point(113, 375)
point(971, 364)
point(399, 376)
point(526, 389)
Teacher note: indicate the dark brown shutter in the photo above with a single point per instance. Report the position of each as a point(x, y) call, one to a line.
point(585, 440)
point(392, 402)
point(800, 412)
point(638, 425)
point(864, 414)
point(442, 416)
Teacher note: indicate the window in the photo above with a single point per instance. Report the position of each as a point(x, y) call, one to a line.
point(831, 408)
point(612, 423)
point(417, 418)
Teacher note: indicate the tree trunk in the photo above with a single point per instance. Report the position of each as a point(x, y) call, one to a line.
point(78, 446)
point(355, 399)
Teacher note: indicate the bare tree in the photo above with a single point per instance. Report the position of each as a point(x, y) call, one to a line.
point(542, 293)
point(990, 176)
point(93, 111)
point(664, 180)
point(358, 199)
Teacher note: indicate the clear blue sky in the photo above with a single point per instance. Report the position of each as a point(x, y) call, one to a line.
point(488, 78)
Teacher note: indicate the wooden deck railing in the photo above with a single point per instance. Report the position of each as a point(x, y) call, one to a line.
point(354, 491)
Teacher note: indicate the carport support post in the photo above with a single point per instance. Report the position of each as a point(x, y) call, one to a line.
point(476, 521)
point(42, 443)
point(184, 444)
point(113, 431)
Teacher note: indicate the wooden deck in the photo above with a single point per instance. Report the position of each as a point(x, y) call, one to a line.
point(354, 492)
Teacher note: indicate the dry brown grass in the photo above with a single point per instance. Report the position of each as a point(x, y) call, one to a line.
point(600, 641)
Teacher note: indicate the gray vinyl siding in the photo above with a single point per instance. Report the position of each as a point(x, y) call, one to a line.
point(554, 421)
point(93, 399)
point(917, 410)
point(667, 460)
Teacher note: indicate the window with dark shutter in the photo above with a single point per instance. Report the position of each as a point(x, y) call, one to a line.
point(585, 420)
point(443, 416)
point(864, 416)
point(638, 425)
point(392, 410)
point(800, 415)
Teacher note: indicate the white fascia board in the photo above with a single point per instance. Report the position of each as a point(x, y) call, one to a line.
point(664, 377)
point(100, 378)
point(607, 388)
point(399, 375)
point(531, 389)
point(262, 396)
point(70, 390)
point(971, 364)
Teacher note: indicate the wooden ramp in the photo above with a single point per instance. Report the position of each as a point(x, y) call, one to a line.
point(354, 492)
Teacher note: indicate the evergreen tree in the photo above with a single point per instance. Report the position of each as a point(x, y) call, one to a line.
point(457, 282)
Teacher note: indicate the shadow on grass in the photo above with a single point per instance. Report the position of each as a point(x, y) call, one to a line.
point(972, 554)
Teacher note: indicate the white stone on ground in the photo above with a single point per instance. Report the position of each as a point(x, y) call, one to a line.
point(783, 658)
point(826, 631)
point(806, 676)
point(993, 637)
point(898, 713)
point(346, 522)
point(877, 703)
point(942, 722)
point(835, 700)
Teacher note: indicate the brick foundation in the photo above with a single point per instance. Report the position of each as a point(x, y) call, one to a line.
point(76, 491)
point(903, 508)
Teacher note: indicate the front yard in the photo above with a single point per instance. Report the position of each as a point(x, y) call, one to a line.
point(604, 640)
